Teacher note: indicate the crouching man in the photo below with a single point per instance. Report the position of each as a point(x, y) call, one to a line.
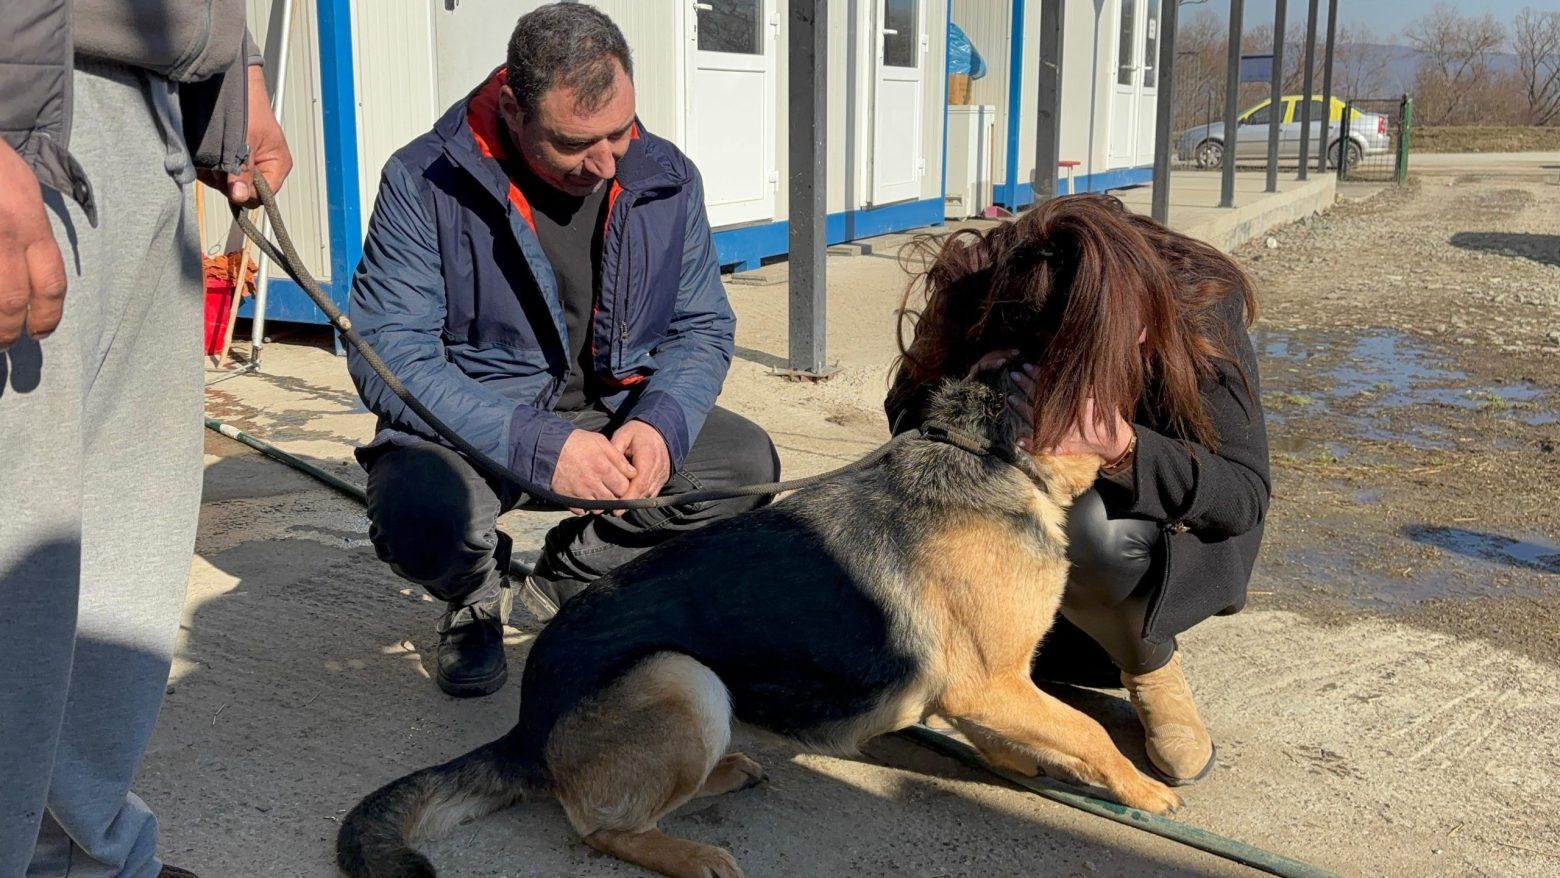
point(539, 272)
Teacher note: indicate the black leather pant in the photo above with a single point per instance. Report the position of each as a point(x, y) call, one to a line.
point(1113, 577)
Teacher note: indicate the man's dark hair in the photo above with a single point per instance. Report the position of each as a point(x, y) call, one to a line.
point(568, 44)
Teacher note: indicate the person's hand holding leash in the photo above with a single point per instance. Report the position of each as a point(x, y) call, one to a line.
point(646, 450)
point(268, 152)
point(590, 466)
point(32, 274)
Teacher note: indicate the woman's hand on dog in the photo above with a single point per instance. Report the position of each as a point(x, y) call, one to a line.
point(1105, 435)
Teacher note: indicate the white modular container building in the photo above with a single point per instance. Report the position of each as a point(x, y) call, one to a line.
point(366, 77)
point(1110, 50)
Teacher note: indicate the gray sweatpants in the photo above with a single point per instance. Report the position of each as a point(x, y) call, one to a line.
point(100, 476)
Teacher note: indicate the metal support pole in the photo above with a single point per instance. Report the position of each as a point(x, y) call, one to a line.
point(1048, 128)
point(1231, 94)
point(1275, 101)
point(1405, 137)
point(1305, 90)
point(278, 89)
point(807, 60)
point(1327, 72)
point(1343, 154)
point(1164, 112)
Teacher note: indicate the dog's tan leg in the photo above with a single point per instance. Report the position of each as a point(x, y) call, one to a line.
point(734, 771)
point(998, 751)
point(644, 746)
point(659, 852)
point(1012, 710)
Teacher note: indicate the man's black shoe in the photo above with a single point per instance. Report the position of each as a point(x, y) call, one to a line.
point(543, 597)
point(470, 660)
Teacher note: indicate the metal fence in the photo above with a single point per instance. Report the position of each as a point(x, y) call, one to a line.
point(1380, 133)
point(1376, 148)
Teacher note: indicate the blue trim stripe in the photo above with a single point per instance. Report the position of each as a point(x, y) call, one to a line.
point(744, 247)
point(338, 102)
point(286, 302)
point(1006, 194)
point(1120, 178)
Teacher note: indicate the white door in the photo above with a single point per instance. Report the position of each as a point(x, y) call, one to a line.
point(1127, 85)
point(899, 75)
point(1148, 89)
point(730, 120)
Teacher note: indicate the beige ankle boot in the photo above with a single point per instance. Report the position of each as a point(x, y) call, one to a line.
point(1178, 742)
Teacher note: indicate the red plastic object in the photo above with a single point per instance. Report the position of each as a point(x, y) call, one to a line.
point(219, 304)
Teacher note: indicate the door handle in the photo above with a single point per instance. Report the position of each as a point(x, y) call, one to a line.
point(704, 7)
point(890, 33)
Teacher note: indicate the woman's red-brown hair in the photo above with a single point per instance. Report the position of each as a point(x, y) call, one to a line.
point(1071, 284)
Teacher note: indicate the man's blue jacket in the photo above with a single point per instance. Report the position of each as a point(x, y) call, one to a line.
point(456, 295)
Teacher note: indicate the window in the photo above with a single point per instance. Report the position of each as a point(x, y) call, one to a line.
point(731, 26)
point(1318, 111)
point(901, 33)
point(1151, 45)
point(1124, 61)
point(1259, 117)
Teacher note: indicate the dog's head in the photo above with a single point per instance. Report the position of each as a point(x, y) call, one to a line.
point(979, 406)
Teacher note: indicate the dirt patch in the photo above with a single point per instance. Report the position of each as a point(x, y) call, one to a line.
point(1410, 356)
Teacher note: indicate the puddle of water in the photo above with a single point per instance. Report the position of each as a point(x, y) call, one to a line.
point(1285, 443)
point(1391, 370)
point(1533, 553)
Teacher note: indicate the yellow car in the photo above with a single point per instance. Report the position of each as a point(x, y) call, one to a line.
point(1203, 145)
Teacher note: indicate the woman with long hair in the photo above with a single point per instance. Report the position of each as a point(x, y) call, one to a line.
point(1126, 340)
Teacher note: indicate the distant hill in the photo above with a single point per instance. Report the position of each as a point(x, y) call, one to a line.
point(1404, 63)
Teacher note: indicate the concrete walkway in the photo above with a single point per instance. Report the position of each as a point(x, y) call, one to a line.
point(1195, 210)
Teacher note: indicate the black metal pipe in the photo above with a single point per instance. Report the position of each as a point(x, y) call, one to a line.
point(1048, 128)
point(1305, 91)
point(808, 112)
point(1343, 141)
point(1276, 99)
point(1327, 76)
point(1164, 112)
point(1231, 95)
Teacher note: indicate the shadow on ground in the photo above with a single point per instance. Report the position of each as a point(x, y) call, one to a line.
point(1543, 249)
point(302, 685)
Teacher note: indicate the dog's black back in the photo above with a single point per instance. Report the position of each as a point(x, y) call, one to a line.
point(795, 639)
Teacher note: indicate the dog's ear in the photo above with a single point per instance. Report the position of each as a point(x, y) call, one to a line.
point(1070, 474)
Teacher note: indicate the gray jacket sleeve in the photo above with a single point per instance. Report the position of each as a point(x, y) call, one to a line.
point(36, 64)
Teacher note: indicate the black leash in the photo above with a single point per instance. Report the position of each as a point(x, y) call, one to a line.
point(284, 253)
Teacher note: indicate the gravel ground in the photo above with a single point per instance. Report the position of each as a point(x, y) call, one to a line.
point(1410, 352)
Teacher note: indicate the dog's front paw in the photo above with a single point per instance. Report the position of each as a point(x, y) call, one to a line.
point(708, 862)
point(1147, 794)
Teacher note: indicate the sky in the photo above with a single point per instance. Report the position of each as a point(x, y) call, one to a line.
point(1385, 19)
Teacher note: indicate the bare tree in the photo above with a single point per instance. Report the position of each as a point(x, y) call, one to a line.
point(1536, 38)
point(1361, 65)
point(1199, 70)
point(1455, 62)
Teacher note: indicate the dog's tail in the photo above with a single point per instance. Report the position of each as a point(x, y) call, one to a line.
point(375, 838)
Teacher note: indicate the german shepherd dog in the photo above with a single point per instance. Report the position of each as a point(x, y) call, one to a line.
point(847, 610)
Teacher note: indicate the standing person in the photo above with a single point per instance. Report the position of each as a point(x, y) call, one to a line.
point(100, 396)
point(540, 273)
point(1130, 343)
